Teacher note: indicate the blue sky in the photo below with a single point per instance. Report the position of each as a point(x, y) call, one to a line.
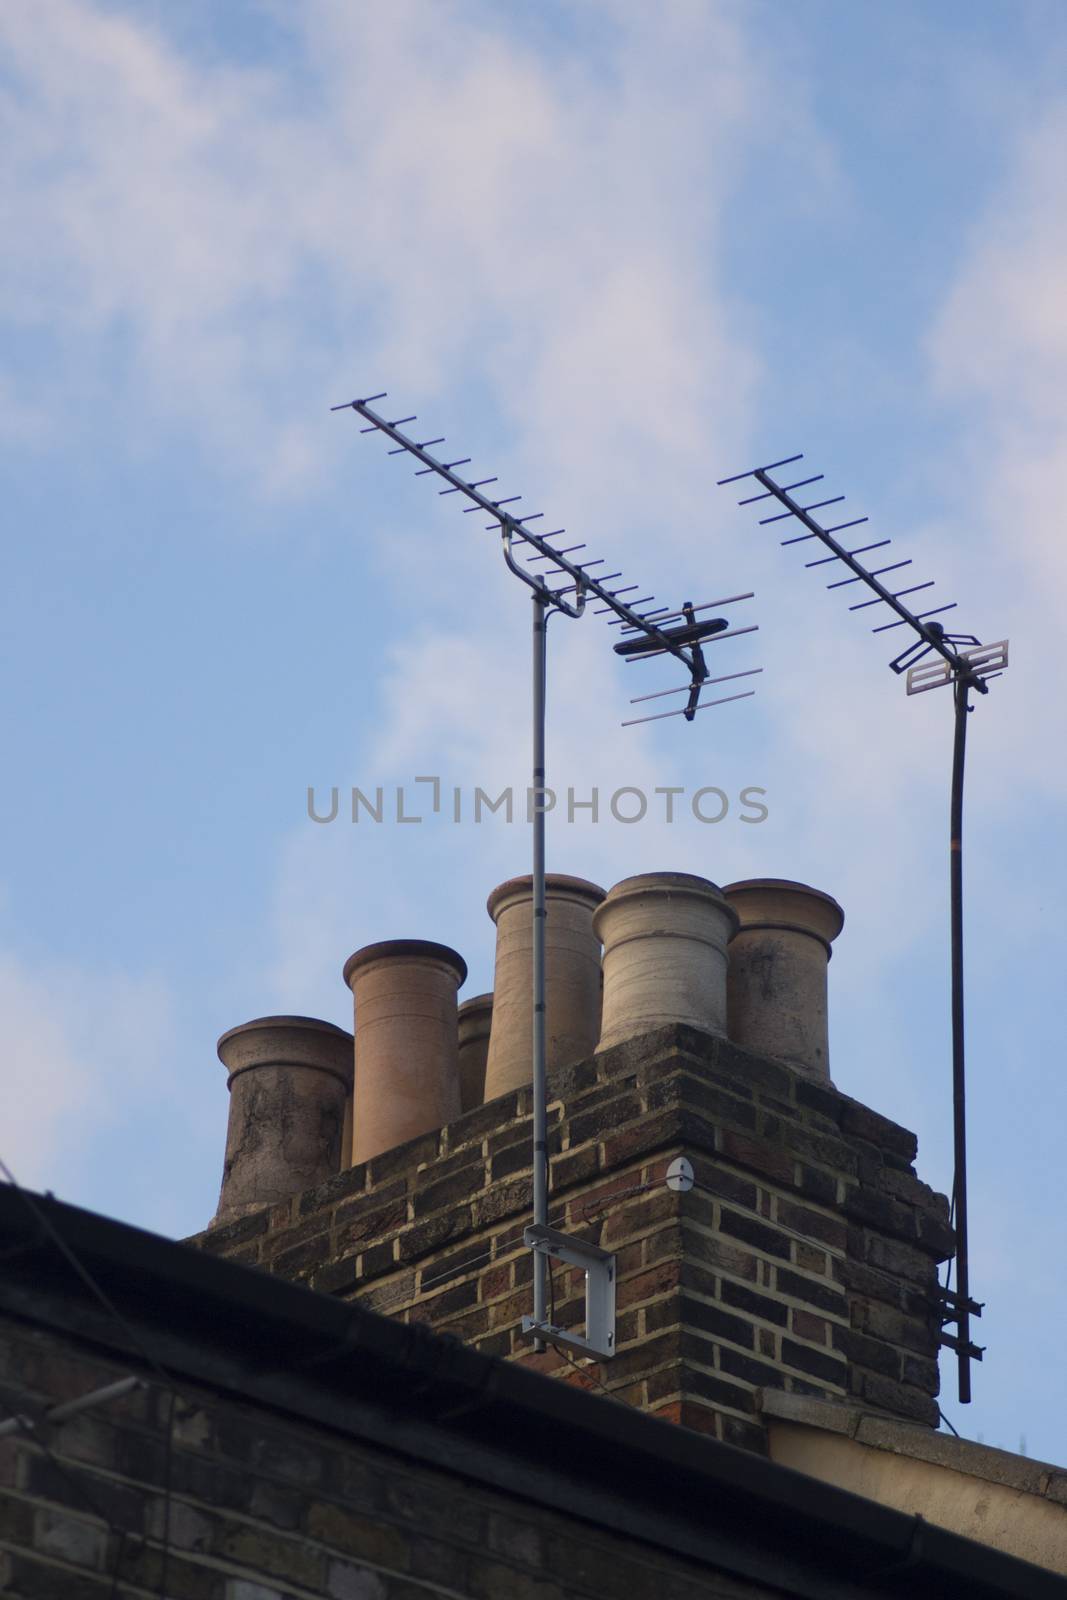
point(614, 252)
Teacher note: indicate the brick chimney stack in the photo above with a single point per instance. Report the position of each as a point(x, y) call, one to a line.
point(804, 1258)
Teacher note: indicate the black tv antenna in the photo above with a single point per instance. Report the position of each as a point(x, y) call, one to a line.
point(961, 660)
point(645, 634)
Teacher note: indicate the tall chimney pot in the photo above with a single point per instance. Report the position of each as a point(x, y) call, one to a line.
point(665, 936)
point(776, 995)
point(407, 1066)
point(289, 1079)
point(572, 978)
point(475, 1022)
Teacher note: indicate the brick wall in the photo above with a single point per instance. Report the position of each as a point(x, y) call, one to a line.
point(804, 1258)
point(265, 1507)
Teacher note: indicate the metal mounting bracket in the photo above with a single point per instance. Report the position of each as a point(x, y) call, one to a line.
point(599, 1268)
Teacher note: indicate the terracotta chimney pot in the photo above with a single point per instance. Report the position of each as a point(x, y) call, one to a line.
point(572, 978)
point(665, 936)
point(776, 999)
point(289, 1079)
point(475, 1022)
point(407, 1066)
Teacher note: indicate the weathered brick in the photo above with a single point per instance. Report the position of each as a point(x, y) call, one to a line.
point(446, 1267)
point(758, 1234)
point(867, 1281)
point(759, 1373)
point(335, 1191)
point(808, 1326)
point(827, 1102)
point(338, 1277)
point(815, 1184)
point(604, 1118)
point(367, 1538)
point(650, 1133)
point(714, 1103)
point(880, 1211)
point(480, 1122)
point(568, 1083)
point(863, 1123)
point(902, 1260)
point(924, 1373)
point(363, 1230)
point(708, 1386)
point(656, 1281)
point(821, 1149)
point(494, 1281)
point(713, 1249)
point(301, 1259)
point(811, 1292)
point(807, 1257)
point(771, 1160)
point(713, 1179)
point(819, 1363)
point(316, 1226)
point(907, 1187)
point(863, 1351)
point(513, 1158)
point(448, 1192)
point(622, 1185)
point(217, 1241)
point(405, 1158)
point(935, 1236)
point(814, 1224)
point(386, 1297)
point(900, 1398)
point(422, 1237)
point(448, 1301)
point(759, 1305)
point(709, 1318)
point(575, 1168)
point(503, 1200)
point(639, 1216)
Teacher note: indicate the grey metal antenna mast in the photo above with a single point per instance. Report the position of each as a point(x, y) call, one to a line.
point(960, 660)
point(645, 634)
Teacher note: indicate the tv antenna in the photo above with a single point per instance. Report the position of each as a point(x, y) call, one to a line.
point(645, 635)
point(933, 660)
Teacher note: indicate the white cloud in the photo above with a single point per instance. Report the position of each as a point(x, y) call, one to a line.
point(999, 354)
point(447, 197)
point(84, 1050)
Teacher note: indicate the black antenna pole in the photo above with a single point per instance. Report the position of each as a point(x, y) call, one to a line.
point(965, 664)
point(645, 634)
point(960, 689)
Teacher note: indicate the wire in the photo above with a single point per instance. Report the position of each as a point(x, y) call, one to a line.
point(584, 1372)
point(587, 1216)
point(75, 1483)
point(87, 1278)
point(168, 1384)
point(947, 1423)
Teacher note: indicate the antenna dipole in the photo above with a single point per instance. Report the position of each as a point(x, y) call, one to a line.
point(645, 635)
point(967, 665)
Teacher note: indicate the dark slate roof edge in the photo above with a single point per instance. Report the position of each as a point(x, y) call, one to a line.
point(335, 1364)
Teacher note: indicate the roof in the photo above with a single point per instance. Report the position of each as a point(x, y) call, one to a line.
point(246, 1334)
